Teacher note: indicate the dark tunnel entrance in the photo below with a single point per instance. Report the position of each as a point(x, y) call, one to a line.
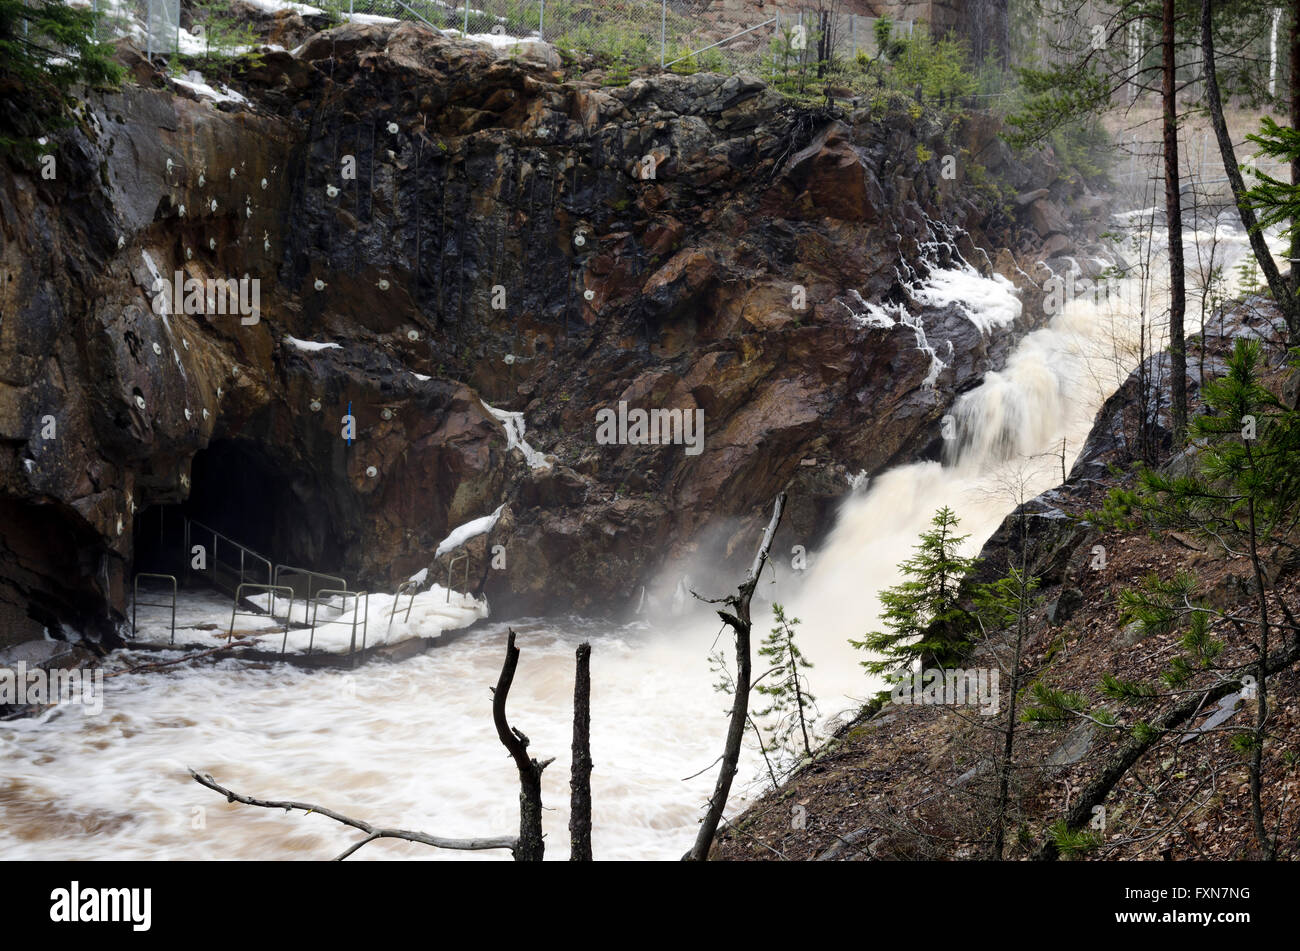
point(238, 490)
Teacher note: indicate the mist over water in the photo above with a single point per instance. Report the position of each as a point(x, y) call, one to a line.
point(412, 745)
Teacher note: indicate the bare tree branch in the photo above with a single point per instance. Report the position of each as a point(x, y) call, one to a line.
point(740, 623)
point(530, 846)
point(372, 833)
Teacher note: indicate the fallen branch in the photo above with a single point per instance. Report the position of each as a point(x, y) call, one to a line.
point(179, 660)
point(1096, 791)
point(372, 833)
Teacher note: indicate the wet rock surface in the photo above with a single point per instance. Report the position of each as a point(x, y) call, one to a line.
point(459, 230)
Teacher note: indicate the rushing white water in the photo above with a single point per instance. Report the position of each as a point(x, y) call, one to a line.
point(412, 745)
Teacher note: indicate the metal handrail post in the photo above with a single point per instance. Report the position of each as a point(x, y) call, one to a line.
point(234, 611)
point(464, 555)
point(135, 601)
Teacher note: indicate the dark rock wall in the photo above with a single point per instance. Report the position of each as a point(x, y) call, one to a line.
point(499, 238)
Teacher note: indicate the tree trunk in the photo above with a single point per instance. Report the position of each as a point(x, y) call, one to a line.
point(1294, 95)
point(740, 623)
point(1174, 218)
point(580, 771)
point(1281, 290)
point(1261, 694)
point(531, 847)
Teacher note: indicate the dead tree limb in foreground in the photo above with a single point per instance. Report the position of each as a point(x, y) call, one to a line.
point(530, 846)
point(526, 848)
point(740, 623)
point(580, 770)
point(372, 833)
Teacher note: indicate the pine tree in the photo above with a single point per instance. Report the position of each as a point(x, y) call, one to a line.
point(791, 705)
point(46, 47)
point(923, 618)
point(1245, 497)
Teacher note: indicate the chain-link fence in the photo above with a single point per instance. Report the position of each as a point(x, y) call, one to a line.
point(682, 35)
point(155, 25)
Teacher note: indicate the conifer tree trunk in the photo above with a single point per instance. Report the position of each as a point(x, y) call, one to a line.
point(1174, 219)
point(1295, 124)
point(1282, 291)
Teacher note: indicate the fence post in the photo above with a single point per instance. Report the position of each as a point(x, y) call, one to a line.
point(541, 33)
point(350, 2)
point(466, 30)
point(663, 35)
point(776, 28)
point(853, 31)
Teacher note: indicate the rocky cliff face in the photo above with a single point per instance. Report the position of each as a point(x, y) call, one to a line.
point(464, 232)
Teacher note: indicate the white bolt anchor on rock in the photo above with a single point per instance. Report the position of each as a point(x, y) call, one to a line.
point(319, 285)
point(392, 128)
point(331, 191)
point(383, 284)
point(371, 471)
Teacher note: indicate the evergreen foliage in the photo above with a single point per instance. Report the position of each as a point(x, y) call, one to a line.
point(924, 621)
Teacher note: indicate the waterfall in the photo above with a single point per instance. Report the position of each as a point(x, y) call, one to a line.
point(412, 744)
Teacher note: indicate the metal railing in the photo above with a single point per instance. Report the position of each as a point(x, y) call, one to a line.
point(360, 598)
point(270, 589)
point(136, 602)
point(463, 556)
point(414, 588)
point(282, 570)
point(247, 558)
